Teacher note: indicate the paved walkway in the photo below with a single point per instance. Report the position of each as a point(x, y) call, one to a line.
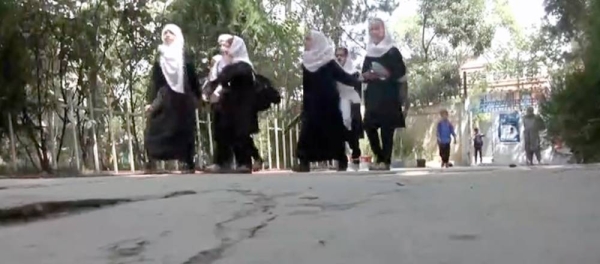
point(544, 215)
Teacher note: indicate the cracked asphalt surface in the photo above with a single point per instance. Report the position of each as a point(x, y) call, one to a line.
point(536, 216)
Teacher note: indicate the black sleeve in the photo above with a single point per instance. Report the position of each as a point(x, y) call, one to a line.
point(230, 71)
point(193, 79)
point(366, 65)
point(404, 95)
point(342, 76)
point(395, 64)
point(156, 82)
point(358, 86)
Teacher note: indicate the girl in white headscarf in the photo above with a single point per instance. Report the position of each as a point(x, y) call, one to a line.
point(218, 65)
point(172, 99)
point(348, 95)
point(235, 115)
point(350, 98)
point(322, 133)
point(383, 70)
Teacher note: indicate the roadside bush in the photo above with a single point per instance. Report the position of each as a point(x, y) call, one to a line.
point(573, 115)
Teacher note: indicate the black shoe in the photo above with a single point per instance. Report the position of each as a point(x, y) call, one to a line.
point(258, 164)
point(342, 166)
point(189, 169)
point(303, 167)
point(378, 167)
point(150, 168)
point(386, 167)
point(242, 170)
point(215, 168)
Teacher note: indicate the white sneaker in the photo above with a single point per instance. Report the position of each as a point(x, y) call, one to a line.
point(353, 167)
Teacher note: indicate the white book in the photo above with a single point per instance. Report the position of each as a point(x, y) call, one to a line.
point(378, 68)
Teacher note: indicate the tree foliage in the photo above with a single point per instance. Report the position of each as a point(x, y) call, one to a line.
point(438, 40)
point(572, 111)
point(570, 16)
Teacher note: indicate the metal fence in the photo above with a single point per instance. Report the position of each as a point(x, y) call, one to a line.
point(118, 145)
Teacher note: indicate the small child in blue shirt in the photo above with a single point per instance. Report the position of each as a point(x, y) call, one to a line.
point(445, 133)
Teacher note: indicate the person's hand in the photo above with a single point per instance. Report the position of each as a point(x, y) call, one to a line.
point(369, 75)
point(148, 108)
point(205, 98)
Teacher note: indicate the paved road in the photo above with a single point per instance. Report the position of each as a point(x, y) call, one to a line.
point(517, 216)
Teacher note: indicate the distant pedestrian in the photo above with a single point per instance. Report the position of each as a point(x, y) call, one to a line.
point(532, 126)
point(445, 133)
point(478, 144)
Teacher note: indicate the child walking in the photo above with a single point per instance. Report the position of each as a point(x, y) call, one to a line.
point(445, 133)
point(478, 144)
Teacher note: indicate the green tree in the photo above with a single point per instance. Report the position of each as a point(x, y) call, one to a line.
point(439, 39)
point(572, 111)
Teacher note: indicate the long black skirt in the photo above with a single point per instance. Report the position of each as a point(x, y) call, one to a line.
point(170, 131)
point(322, 133)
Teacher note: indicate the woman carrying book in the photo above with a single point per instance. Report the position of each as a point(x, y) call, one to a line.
point(384, 72)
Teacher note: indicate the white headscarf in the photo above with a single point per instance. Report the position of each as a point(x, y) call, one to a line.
point(220, 63)
point(347, 92)
point(377, 50)
point(171, 59)
point(224, 37)
point(348, 95)
point(349, 66)
point(321, 52)
point(238, 51)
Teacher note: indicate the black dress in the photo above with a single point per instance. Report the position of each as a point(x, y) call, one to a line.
point(235, 114)
point(357, 123)
point(383, 105)
point(322, 130)
point(170, 130)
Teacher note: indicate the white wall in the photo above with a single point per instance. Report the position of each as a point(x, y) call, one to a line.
point(504, 153)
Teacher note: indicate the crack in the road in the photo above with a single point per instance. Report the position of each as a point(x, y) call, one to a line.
point(385, 192)
point(32, 186)
point(322, 207)
point(128, 248)
point(261, 203)
point(44, 210)
point(208, 256)
point(253, 230)
point(37, 211)
point(28, 186)
point(333, 206)
point(304, 212)
point(178, 193)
